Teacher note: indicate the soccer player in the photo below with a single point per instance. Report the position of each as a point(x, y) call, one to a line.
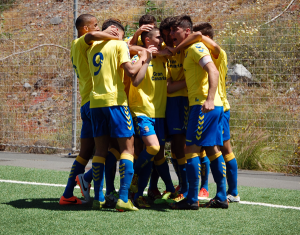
point(147, 102)
point(204, 32)
point(177, 109)
point(88, 31)
point(220, 59)
point(204, 124)
point(108, 60)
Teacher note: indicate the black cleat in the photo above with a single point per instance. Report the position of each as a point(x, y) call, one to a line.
point(215, 203)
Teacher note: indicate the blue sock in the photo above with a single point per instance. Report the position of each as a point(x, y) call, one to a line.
point(126, 174)
point(204, 172)
point(218, 170)
point(77, 168)
point(98, 173)
point(231, 172)
point(110, 162)
point(193, 171)
point(164, 172)
point(183, 179)
point(88, 176)
point(143, 179)
point(154, 178)
point(145, 157)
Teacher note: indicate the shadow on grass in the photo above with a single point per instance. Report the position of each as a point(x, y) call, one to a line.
point(53, 205)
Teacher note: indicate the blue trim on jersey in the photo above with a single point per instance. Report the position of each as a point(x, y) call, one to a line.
point(115, 121)
point(205, 129)
point(145, 126)
point(87, 127)
point(226, 127)
point(177, 112)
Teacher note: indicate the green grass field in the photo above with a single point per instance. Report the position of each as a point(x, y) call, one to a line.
point(34, 209)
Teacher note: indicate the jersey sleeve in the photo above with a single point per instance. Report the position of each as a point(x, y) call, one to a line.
point(123, 53)
point(135, 59)
point(199, 50)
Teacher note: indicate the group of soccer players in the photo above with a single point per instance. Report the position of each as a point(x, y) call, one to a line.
point(162, 84)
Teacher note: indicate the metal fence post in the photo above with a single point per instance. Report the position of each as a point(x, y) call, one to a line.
point(74, 97)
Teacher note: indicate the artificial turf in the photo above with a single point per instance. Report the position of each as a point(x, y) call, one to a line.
point(34, 209)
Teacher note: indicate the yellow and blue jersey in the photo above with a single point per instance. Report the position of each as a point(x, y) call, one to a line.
point(221, 64)
point(149, 98)
point(175, 65)
point(81, 66)
point(196, 77)
point(105, 59)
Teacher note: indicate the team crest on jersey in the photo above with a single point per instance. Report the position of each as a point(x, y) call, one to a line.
point(146, 128)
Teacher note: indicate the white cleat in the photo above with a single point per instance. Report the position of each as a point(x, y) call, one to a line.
point(84, 186)
point(231, 198)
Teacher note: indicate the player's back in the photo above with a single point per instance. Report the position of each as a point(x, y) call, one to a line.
point(80, 64)
point(221, 64)
point(105, 60)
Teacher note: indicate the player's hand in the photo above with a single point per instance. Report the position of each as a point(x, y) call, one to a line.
point(172, 50)
point(164, 52)
point(145, 27)
point(150, 50)
point(208, 106)
point(112, 30)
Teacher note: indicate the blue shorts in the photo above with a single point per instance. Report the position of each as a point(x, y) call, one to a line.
point(205, 129)
point(145, 126)
point(115, 121)
point(225, 123)
point(87, 128)
point(177, 113)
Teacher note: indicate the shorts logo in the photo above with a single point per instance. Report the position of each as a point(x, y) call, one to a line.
point(186, 116)
point(127, 115)
point(137, 126)
point(200, 127)
point(146, 128)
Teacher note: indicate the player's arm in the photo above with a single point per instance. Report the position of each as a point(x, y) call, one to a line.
point(175, 86)
point(134, 40)
point(142, 72)
point(164, 52)
point(111, 33)
point(135, 50)
point(213, 79)
point(212, 46)
point(192, 38)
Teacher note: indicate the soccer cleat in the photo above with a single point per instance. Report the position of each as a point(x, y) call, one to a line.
point(179, 198)
point(231, 198)
point(215, 203)
point(84, 187)
point(184, 205)
point(154, 194)
point(70, 201)
point(141, 202)
point(165, 197)
point(97, 205)
point(134, 184)
point(125, 206)
point(203, 193)
point(111, 199)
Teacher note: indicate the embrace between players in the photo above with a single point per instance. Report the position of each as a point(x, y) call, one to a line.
point(162, 84)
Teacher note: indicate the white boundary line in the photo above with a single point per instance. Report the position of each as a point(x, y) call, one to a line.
point(63, 185)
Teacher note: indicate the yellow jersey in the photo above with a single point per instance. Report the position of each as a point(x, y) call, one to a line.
point(175, 65)
point(221, 64)
point(139, 41)
point(105, 60)
point(196, 77)
point(80, 64)
point(149, 98)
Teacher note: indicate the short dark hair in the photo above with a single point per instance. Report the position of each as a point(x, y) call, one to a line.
point(205, 28)
point(112, 21)
point(148, 34)
point(83, 20)
point(182, 21)
point(165, 24)
point(147, 19)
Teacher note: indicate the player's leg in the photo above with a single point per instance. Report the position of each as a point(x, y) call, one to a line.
point(178, 143)
point(153, 191)
point(111, 196)
point(86, 152)
point(205, 166)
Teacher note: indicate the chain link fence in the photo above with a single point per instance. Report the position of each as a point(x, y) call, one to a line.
point(261, 38)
